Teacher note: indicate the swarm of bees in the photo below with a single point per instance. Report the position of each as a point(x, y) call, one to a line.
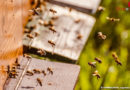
point(113, 19)
point(114, 55)
point(101, 36)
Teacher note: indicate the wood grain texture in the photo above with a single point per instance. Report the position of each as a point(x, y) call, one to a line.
point(65, 38)
point(64, 76)
point(10, 34)
point(87, 6)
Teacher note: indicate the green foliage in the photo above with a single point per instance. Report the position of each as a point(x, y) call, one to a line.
point(118, 36)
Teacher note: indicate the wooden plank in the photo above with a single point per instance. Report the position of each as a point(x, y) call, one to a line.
point(87, 6)
point(66, 42)
point(64, 76)
point(10, 34)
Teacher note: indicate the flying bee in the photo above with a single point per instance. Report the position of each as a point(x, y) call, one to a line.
point(92, 64)
point(39, 81)
point(27, 56)
point(100, 8)
point(41, 52)
point(112, 19)
point(96, 74)
point(50, 70)
point(29, 73)
point(77, 21)
point(114, 55)
point(53, 11)
point(79, 37)
point(43, 71)
point(51, 42)
point(98, 60)
point(36, 71)
point(30, 36)
point(52, 29)
point(101, 36)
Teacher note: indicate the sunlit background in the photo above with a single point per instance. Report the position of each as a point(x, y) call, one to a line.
point(118, 36)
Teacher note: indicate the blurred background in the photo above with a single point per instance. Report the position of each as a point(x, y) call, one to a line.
point(118, 36)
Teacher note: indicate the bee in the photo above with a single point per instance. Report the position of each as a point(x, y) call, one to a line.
point(36, 34)
point(14, 74)
point(8, 69)
point(54, 17)
point(100, 8)
point(50, 23)
point(77, 21)
point(43, 71)
point(114, 55)
point(70, 9)
point(36, 71)
point(35, 12)
point(30, 36)
point(16, 63)
point(27, 56)
point(39, 81)
point(41, 52)
point(41, 22)
point(52, 29)
point(92, 64)
point(29, 73)
point(27, 87)
point(50, 70)
point(98, 60)
point(101, 36)
point(79, 37)
point(96, 74)
point(51, 42)
point(53, 11)
point(27, 31)
point(112, 19)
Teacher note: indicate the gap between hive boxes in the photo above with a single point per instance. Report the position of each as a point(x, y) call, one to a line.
point(67, 30)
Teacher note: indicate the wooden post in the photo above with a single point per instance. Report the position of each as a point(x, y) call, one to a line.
point(11, 32)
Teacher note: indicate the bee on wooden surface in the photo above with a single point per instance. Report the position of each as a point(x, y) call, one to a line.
point(8, 69)
point(70, 9)
point(36, 34)
point(27, 56)
point(32, 27)
point(51, 42)
point(98, 60)
point(52, 29)
point(36, 71)
point(114, 55)
point(79, 37)
point(50, 70)
point(96, 74)
point(41, 52)
point(51, 23)
point(112, 19)
point(92, 64)
point(27, 31)
point(29, 73)
point(34, 11)
point(54, 17)
point(43, 71)
point(77, 21)
point(39, 81)
point(100, 8)
point(101, 36)
point(30, 36)
point(53, 11)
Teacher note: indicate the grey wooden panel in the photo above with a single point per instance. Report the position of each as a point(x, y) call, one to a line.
point(87, 6)
point(64, 76)
point(67, 44)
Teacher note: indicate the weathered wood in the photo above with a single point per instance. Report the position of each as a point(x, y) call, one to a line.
point(10, 34)
point(64, 76)
point(87, 6)
point(65, 39)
